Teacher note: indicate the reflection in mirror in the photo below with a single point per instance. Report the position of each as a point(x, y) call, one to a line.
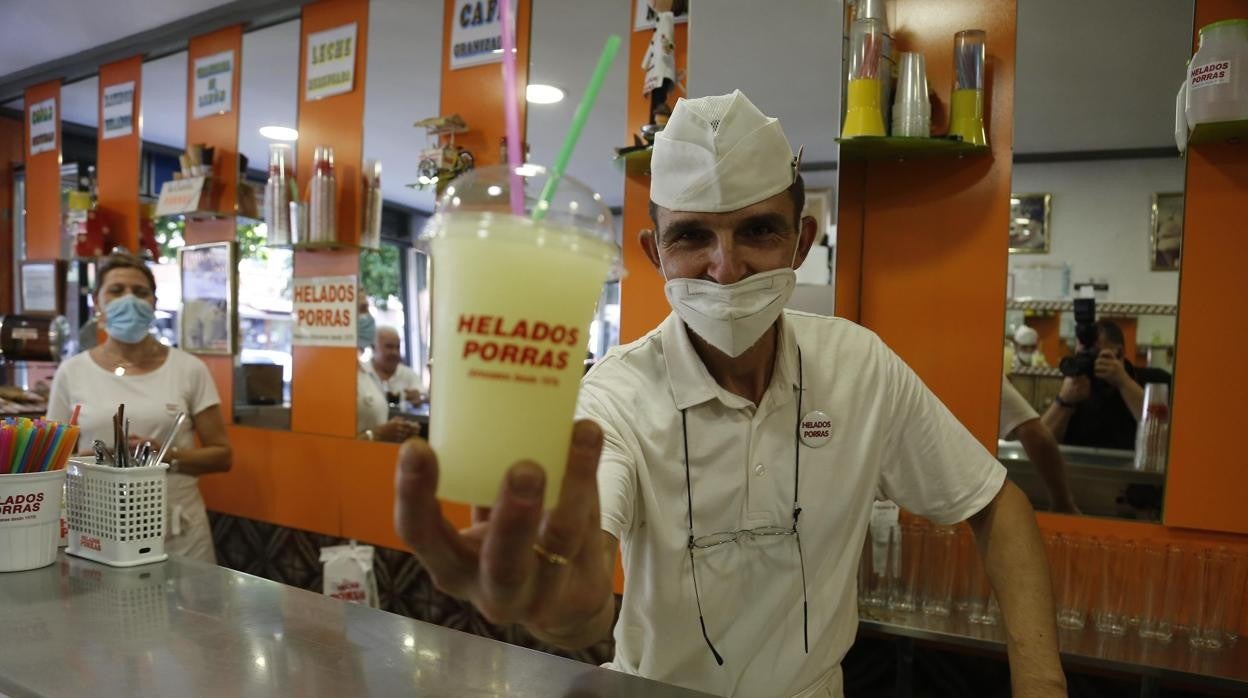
point(1094, 241)
point(404, 80)
point(799, 85)
point(268, 97)
point(162, 120)
point(566, 40)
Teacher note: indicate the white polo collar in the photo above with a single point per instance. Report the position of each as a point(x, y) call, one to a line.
point(692, 384)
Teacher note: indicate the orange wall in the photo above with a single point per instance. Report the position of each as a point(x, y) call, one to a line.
point(43, 183)
point(643, 304)
point(12, 153)
point(1208, 473)
point(476, 92)
point(338, 121)
point(118, 158)
point(220, 132)
point(931, 229)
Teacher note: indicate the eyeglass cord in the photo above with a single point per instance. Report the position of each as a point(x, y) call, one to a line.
point(797, 510)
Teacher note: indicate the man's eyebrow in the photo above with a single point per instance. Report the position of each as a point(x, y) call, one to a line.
point(775, 221)
point(676, 228)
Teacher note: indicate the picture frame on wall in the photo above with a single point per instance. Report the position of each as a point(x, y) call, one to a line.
point(1030, 216)
point(1165, 241)
point(208, 322)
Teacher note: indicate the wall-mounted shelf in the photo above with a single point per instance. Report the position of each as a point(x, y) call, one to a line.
point(635, 163)
point(897, 148)
point(1220, 132)
point(320, 246)
point(1101, 308)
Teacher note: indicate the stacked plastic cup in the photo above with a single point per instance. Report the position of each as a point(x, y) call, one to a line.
point(912, 112)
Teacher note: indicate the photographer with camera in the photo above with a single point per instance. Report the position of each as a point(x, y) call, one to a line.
point(1102, 395)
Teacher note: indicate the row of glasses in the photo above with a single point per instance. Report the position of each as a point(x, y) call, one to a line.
point(1155, 588)
point(1158, 588)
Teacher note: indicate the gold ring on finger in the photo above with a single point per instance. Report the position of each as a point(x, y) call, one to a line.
point(552, 558)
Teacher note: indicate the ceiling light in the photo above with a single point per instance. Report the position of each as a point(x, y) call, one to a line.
point(279, 133)
point(543, 94)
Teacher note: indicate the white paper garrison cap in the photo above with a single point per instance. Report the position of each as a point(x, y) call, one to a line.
point(1026, 335)
point(719, 154)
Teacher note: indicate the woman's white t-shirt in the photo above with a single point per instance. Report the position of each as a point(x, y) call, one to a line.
point(152, 400)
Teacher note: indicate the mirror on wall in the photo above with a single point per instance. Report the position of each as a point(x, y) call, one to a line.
point(268, 101)
point(1095, 245)
point(567, 38)
point(403, 87)
point(800, 85)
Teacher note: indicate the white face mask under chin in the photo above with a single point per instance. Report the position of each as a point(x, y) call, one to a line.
point(731, 317)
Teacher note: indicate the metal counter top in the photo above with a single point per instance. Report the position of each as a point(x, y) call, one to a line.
point(184, 628)
point(1224, 669)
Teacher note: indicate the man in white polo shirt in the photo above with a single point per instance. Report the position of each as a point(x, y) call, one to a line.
point(733, 453)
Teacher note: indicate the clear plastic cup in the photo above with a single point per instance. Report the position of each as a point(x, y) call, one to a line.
point(906, 594)
point(1072, 604)
point(1115, 576)
point(1213, 579)
point(512, 302)
point(1152, 437)
point(1160, 581)
point(912, 112)
point(938, 563)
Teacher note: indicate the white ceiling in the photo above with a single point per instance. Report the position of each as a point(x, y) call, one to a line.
point(38, 31)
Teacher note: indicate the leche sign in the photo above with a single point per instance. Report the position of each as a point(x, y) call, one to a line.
point(324, 311)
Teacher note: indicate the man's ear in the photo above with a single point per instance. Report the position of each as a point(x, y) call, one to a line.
point(650, 244)
point(808, 228)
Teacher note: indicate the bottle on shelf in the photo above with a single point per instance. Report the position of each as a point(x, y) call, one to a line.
point(322, 198)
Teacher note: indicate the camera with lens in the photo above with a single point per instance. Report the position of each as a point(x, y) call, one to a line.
point(1083, 363)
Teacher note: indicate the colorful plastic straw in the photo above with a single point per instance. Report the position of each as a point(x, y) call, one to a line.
point(583, 109)
point(34, 446)
point(511, 110)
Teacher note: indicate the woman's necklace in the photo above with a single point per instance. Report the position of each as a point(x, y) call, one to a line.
point(121, 365)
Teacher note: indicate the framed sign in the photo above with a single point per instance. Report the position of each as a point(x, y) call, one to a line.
point(208, 323)
point(1165, 242)
point(1029, 223)
point(43, 287)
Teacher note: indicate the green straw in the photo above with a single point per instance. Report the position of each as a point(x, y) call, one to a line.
point(578, 124)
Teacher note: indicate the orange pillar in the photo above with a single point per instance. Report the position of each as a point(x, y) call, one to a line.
point(476, 92)
point(323, 378)
point(643, 304)
point(43, 180)
point(11, 153)
point(219, 132)
point(118, 158)
point(1207, 479)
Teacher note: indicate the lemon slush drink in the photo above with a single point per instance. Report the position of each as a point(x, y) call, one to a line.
point(512, 302)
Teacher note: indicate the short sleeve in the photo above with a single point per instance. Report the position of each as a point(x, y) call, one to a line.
point(617, 472)
point(201, 390)
point(1015, 410)
point(934, 467)
point(59, 409)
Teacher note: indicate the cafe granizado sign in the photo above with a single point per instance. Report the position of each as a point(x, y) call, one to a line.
point(477, 33)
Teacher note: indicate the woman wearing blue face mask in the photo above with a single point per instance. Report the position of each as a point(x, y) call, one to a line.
point(154, 382)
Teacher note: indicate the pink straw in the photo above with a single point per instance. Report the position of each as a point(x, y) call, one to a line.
point(511, 110)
